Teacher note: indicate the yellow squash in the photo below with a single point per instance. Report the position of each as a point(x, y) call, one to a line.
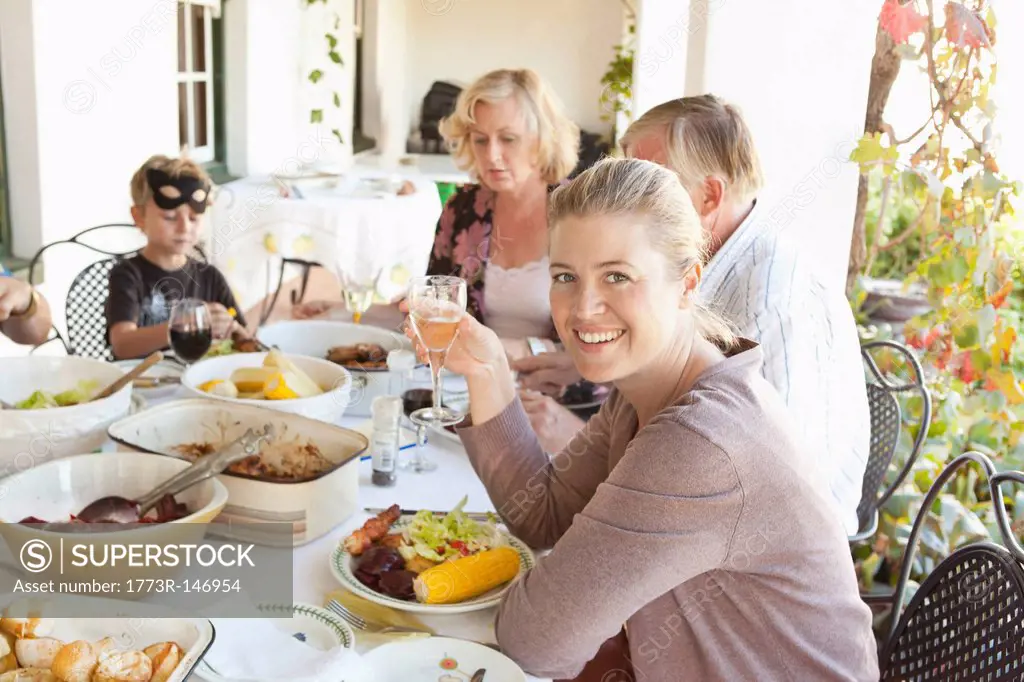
point(466, 577)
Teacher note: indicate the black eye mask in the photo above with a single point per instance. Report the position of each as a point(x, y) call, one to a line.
point(170, 193)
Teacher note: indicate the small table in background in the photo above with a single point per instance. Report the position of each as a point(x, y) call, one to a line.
point(353, 221)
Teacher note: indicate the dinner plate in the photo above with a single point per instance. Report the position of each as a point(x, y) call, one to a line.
point(443, 433)
point(581, 406)
point(440, 658)
point(341, 567)
point(313, 625)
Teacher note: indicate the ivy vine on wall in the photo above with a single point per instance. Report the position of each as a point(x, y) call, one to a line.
point(617, 81)
point(316, 75)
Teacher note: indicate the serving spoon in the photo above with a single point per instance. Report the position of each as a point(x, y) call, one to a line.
point(129, 377)
point(115, 509)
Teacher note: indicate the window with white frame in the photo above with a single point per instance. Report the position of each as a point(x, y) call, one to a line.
point(195, 78)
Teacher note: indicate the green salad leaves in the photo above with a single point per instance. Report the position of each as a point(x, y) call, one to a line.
point(42, 400)
point(453, 535)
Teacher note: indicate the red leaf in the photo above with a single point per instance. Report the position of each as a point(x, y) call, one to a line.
point(901, 21)
point(964, 27)
point(999, 298)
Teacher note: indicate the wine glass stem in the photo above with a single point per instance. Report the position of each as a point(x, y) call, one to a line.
point(436, 364)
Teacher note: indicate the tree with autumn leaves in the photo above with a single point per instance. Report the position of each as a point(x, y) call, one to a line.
point(934, 210)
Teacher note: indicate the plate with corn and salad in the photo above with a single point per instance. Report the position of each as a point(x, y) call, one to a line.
point(431, 563)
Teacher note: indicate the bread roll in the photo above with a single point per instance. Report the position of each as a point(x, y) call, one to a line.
point(37, 653)
point(75, 662)
point(7, 641)
point(165, 657)
point(104, 647)
point(124, 666)
point(29, 675)
point(8, 662)
point(27, 627)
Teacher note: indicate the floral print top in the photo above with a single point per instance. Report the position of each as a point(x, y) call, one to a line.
point(462, 246)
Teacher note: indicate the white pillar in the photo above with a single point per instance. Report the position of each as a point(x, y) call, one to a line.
point(1009, 90)
point(21, 124)
point(665, 48)
point(799, 72)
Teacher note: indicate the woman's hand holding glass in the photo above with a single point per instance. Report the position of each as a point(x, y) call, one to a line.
point(477, 354)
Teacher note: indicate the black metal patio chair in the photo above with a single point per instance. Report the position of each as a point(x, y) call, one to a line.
point(297, 296)
point(966, 621)
point(886, 424)
point(85, 308)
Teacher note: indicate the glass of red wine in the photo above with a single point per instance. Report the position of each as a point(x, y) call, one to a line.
point(191, 332)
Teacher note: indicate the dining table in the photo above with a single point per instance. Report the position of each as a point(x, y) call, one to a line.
point(440, 489)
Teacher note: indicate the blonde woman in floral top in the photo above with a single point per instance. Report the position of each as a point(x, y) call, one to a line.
point(511, 134)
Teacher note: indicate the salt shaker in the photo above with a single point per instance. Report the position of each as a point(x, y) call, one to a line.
point(387, 412)
point(401, 364)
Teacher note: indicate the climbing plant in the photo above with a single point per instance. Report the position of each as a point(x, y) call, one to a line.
point(334, 60)
point(617, 93)
point(935, 210)
point(617, 80)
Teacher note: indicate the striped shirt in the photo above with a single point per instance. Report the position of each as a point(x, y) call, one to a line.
point(764, 284)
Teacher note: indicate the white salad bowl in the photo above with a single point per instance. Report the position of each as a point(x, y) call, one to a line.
point(30, 437)
point(329, 406)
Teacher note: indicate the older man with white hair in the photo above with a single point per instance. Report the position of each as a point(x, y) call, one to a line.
point(760, 279)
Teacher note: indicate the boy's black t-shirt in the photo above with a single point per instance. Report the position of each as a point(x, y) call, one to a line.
point(144, 293)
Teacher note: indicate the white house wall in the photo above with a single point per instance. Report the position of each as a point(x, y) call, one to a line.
point(799, 72)
point(569, 42)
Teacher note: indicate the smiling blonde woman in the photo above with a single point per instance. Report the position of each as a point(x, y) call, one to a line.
point(685, 509)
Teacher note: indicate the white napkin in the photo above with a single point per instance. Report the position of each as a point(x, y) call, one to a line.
point(251, 649)
point(255, 649)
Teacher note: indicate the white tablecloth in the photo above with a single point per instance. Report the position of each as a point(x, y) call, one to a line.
point(348, 222)
point(441, 489)
point(433, 167)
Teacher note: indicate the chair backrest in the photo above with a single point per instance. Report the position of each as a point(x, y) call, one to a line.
point(268, 304)
point(886, 420)
point(966, 621)
point(86, 311)
point(886, 423)
point(87, 296)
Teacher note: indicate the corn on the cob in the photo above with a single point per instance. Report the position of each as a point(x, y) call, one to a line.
point(220, 387)
point(278, 388)
point(466, 577)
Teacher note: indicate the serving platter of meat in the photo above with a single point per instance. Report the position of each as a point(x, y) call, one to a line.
point(359, 356)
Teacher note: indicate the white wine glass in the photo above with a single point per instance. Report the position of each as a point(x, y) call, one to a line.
point(437, 304)
point(358, 290)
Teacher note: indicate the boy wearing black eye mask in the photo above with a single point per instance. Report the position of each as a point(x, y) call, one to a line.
point(169, 198)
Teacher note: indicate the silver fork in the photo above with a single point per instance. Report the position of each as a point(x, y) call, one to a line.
point(360, 623)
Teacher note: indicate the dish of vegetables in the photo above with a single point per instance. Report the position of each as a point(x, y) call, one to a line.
point(44, 400)
point(429, 563)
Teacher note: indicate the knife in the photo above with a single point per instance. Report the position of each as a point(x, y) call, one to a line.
point(476, 516)
point(153, 382)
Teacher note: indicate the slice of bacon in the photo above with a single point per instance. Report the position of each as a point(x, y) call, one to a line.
point(374, 529)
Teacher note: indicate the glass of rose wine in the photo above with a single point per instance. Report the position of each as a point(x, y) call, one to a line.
point(436, 306)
